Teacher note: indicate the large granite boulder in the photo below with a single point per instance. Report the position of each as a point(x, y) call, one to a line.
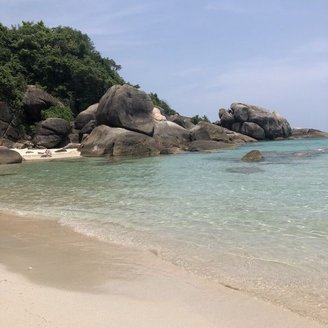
point(105, 140)
point(36, 100)
point(8, 156)
point(84, 117)
point(126, 107)
point(171, 137)
point(253, 130)
point(51, 133)
point(10, 123)
point(183, 121)
point(240, 115)
point(238, 138)
point(208, 131)
point(209, 145)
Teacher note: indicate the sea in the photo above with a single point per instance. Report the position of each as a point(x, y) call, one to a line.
point(257, 227)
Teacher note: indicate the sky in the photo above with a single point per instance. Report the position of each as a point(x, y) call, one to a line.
point(203, 55)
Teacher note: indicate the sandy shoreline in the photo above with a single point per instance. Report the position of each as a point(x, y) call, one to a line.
point(51, 276)
point(48, 154)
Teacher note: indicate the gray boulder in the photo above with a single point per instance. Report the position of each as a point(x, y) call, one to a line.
point(53, 132)
point(171, 137)
point(299, 133)
point(126, 107)
point(209, 145)
point(226, 118)
point(238, 138)
point(105, 140)
point(272, 123)
point(84, 117)
point(253, 130)
point(10, 123)
point(183, 121)
point(87, 129)
point(36, 100)
point(253, 156)
point(8, 156)
point(208, 131)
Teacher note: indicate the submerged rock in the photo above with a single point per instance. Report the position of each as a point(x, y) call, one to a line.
point(253, 156)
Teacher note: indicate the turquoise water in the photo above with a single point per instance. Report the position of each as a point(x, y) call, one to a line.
point(258, 227)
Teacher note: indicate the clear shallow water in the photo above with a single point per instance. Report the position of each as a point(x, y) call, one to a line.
point(259, 227)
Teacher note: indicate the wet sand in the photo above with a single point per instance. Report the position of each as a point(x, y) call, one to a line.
point(51, 276)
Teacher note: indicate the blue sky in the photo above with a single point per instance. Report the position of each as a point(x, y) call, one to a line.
point(203, 55)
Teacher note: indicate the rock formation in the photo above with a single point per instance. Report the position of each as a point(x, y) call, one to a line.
point(254, 121)
point(8, 156)
point(36, 100)
point(171, 137)
point(253, 156)
point(105, 140)
point(126, 107)
point(84, 117)
point(52, 132)
point(10, 123)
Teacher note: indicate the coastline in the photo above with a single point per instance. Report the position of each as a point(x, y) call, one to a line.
point(51, 276)
point(47, 154)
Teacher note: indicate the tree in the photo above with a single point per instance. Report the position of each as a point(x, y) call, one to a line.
point(63, 61)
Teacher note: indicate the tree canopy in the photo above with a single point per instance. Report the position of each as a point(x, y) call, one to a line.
point(61, 60)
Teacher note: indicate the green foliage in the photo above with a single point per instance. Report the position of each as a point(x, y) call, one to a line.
point(196, 119)
point(163, 104)
point(61, 60)
point(29, 129)
point(58, 112)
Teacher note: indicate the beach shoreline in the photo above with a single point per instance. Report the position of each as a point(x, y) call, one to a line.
point(48, 154)
point(51, 276)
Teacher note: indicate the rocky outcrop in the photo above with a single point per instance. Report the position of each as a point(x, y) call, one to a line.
point(209, 145)
point(183, 121)
point(254, 121)
point(299, 133)
point(105, 140)
point(209, 131)
point(238, 138)
point(126, 107)
point(10, 123)
point(36, 100)
point(171, 137)
point(52, 132)
point(157, 115)
point(8, 156)
point(84, 117)
point(253, 156)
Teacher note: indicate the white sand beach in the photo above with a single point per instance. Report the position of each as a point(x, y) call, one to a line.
point(48, 154)
point(51, 276)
